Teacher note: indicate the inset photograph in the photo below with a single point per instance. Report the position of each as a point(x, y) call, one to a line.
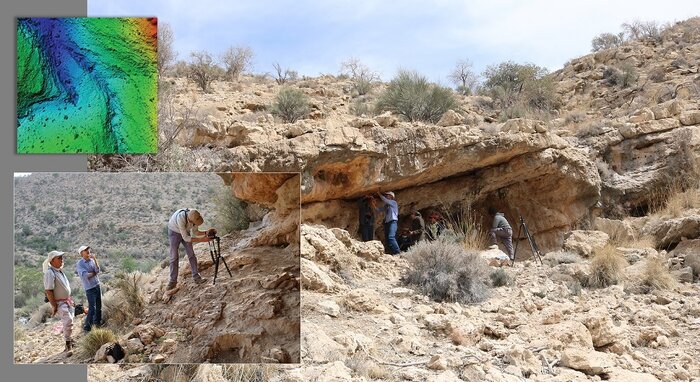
point(87, 85)
point(156, 268)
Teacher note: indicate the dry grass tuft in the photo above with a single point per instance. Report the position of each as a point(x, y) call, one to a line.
point(657, 276)
point(607, 267)
point(247, 373)
point(673, 199)
point(127, 303)
point(93, 340)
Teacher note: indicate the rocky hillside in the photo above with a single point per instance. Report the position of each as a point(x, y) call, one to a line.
point(626, 129)
point(116, 214)
point(361, 323)
point(251, 315)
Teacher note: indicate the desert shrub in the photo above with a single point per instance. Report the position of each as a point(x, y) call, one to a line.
point(692, 260)
point(500, 277)
point(510, 83)
point(642, 29)
point(446, 272)
point(236, 60)
point(230, 211)
point(361, 75)
point(624, 76)
point(411, 95)
point(575, 117)
point(247, 373)
point(127, 303)
point(91, 342)
point(657, 276)
point(290, 104)
point(360, 107)
point(606, 268)
point(606, 41)
point(202, 70)
point(29, 283)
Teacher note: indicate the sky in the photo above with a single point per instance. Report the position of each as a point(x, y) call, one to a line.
point(315, 37)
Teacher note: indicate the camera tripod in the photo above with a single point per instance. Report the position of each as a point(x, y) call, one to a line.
point(531, 239)
point(215, 252)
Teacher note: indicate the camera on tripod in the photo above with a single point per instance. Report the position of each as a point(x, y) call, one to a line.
point(211, 233)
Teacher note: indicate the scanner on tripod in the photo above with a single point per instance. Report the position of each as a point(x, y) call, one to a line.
point(215, 253)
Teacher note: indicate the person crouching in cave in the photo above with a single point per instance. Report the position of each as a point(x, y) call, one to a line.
point(501, 229)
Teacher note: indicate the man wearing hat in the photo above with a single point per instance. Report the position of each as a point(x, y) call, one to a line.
point(88, 268)
point(391, 220)
point(57, 290)
point(183, 227)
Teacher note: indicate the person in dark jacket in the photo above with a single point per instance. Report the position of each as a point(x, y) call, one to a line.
point(366, 207)
point(417, 227)
point(501, 229)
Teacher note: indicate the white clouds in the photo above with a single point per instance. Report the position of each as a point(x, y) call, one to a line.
point(430, 36)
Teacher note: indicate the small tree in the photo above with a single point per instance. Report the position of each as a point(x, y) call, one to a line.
point(606, 41)
point(464, 77)
point(231, 214)
point(283, 75)
point(360, 74)
point(290, 104)
point(202, 69)
point(236, 60)
point(166, 53)
point(411, 95)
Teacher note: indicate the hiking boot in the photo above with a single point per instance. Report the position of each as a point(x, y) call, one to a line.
point(199, 280)
point(495, 246)
point(171, 285)
point(70, 344)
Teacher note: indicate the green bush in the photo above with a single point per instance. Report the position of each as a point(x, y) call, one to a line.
point(528, 85)
point(446, 272)
point(290, 104)
point(231, 215)
point(606, 41)
point(29, 283)
point(411, 95)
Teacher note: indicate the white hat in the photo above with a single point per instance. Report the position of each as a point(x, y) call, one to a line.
point(391, 193)
point(50, 257)
point(53, 254)
point(82, 248)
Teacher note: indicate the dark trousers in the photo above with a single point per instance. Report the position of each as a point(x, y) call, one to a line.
point(94, 315)
point(390, 237)
point(367, 232)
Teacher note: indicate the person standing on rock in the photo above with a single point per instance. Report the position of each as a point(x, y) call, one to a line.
point(391, 220)
point(183, 227)
point(501, 229)
point(367, 205)
point(87, 269)
point(57, 289)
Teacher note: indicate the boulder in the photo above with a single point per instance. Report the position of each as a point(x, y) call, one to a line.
point(585, 242)
point(590, 362)
point(450, 118)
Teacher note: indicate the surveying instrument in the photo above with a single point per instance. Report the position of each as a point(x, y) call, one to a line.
point(215, 253)
point(530, 239)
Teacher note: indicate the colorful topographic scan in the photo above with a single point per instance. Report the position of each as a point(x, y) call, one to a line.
point(87, 85)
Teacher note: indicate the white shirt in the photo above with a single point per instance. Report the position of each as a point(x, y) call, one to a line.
point(60, 291)
point(179, 223)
